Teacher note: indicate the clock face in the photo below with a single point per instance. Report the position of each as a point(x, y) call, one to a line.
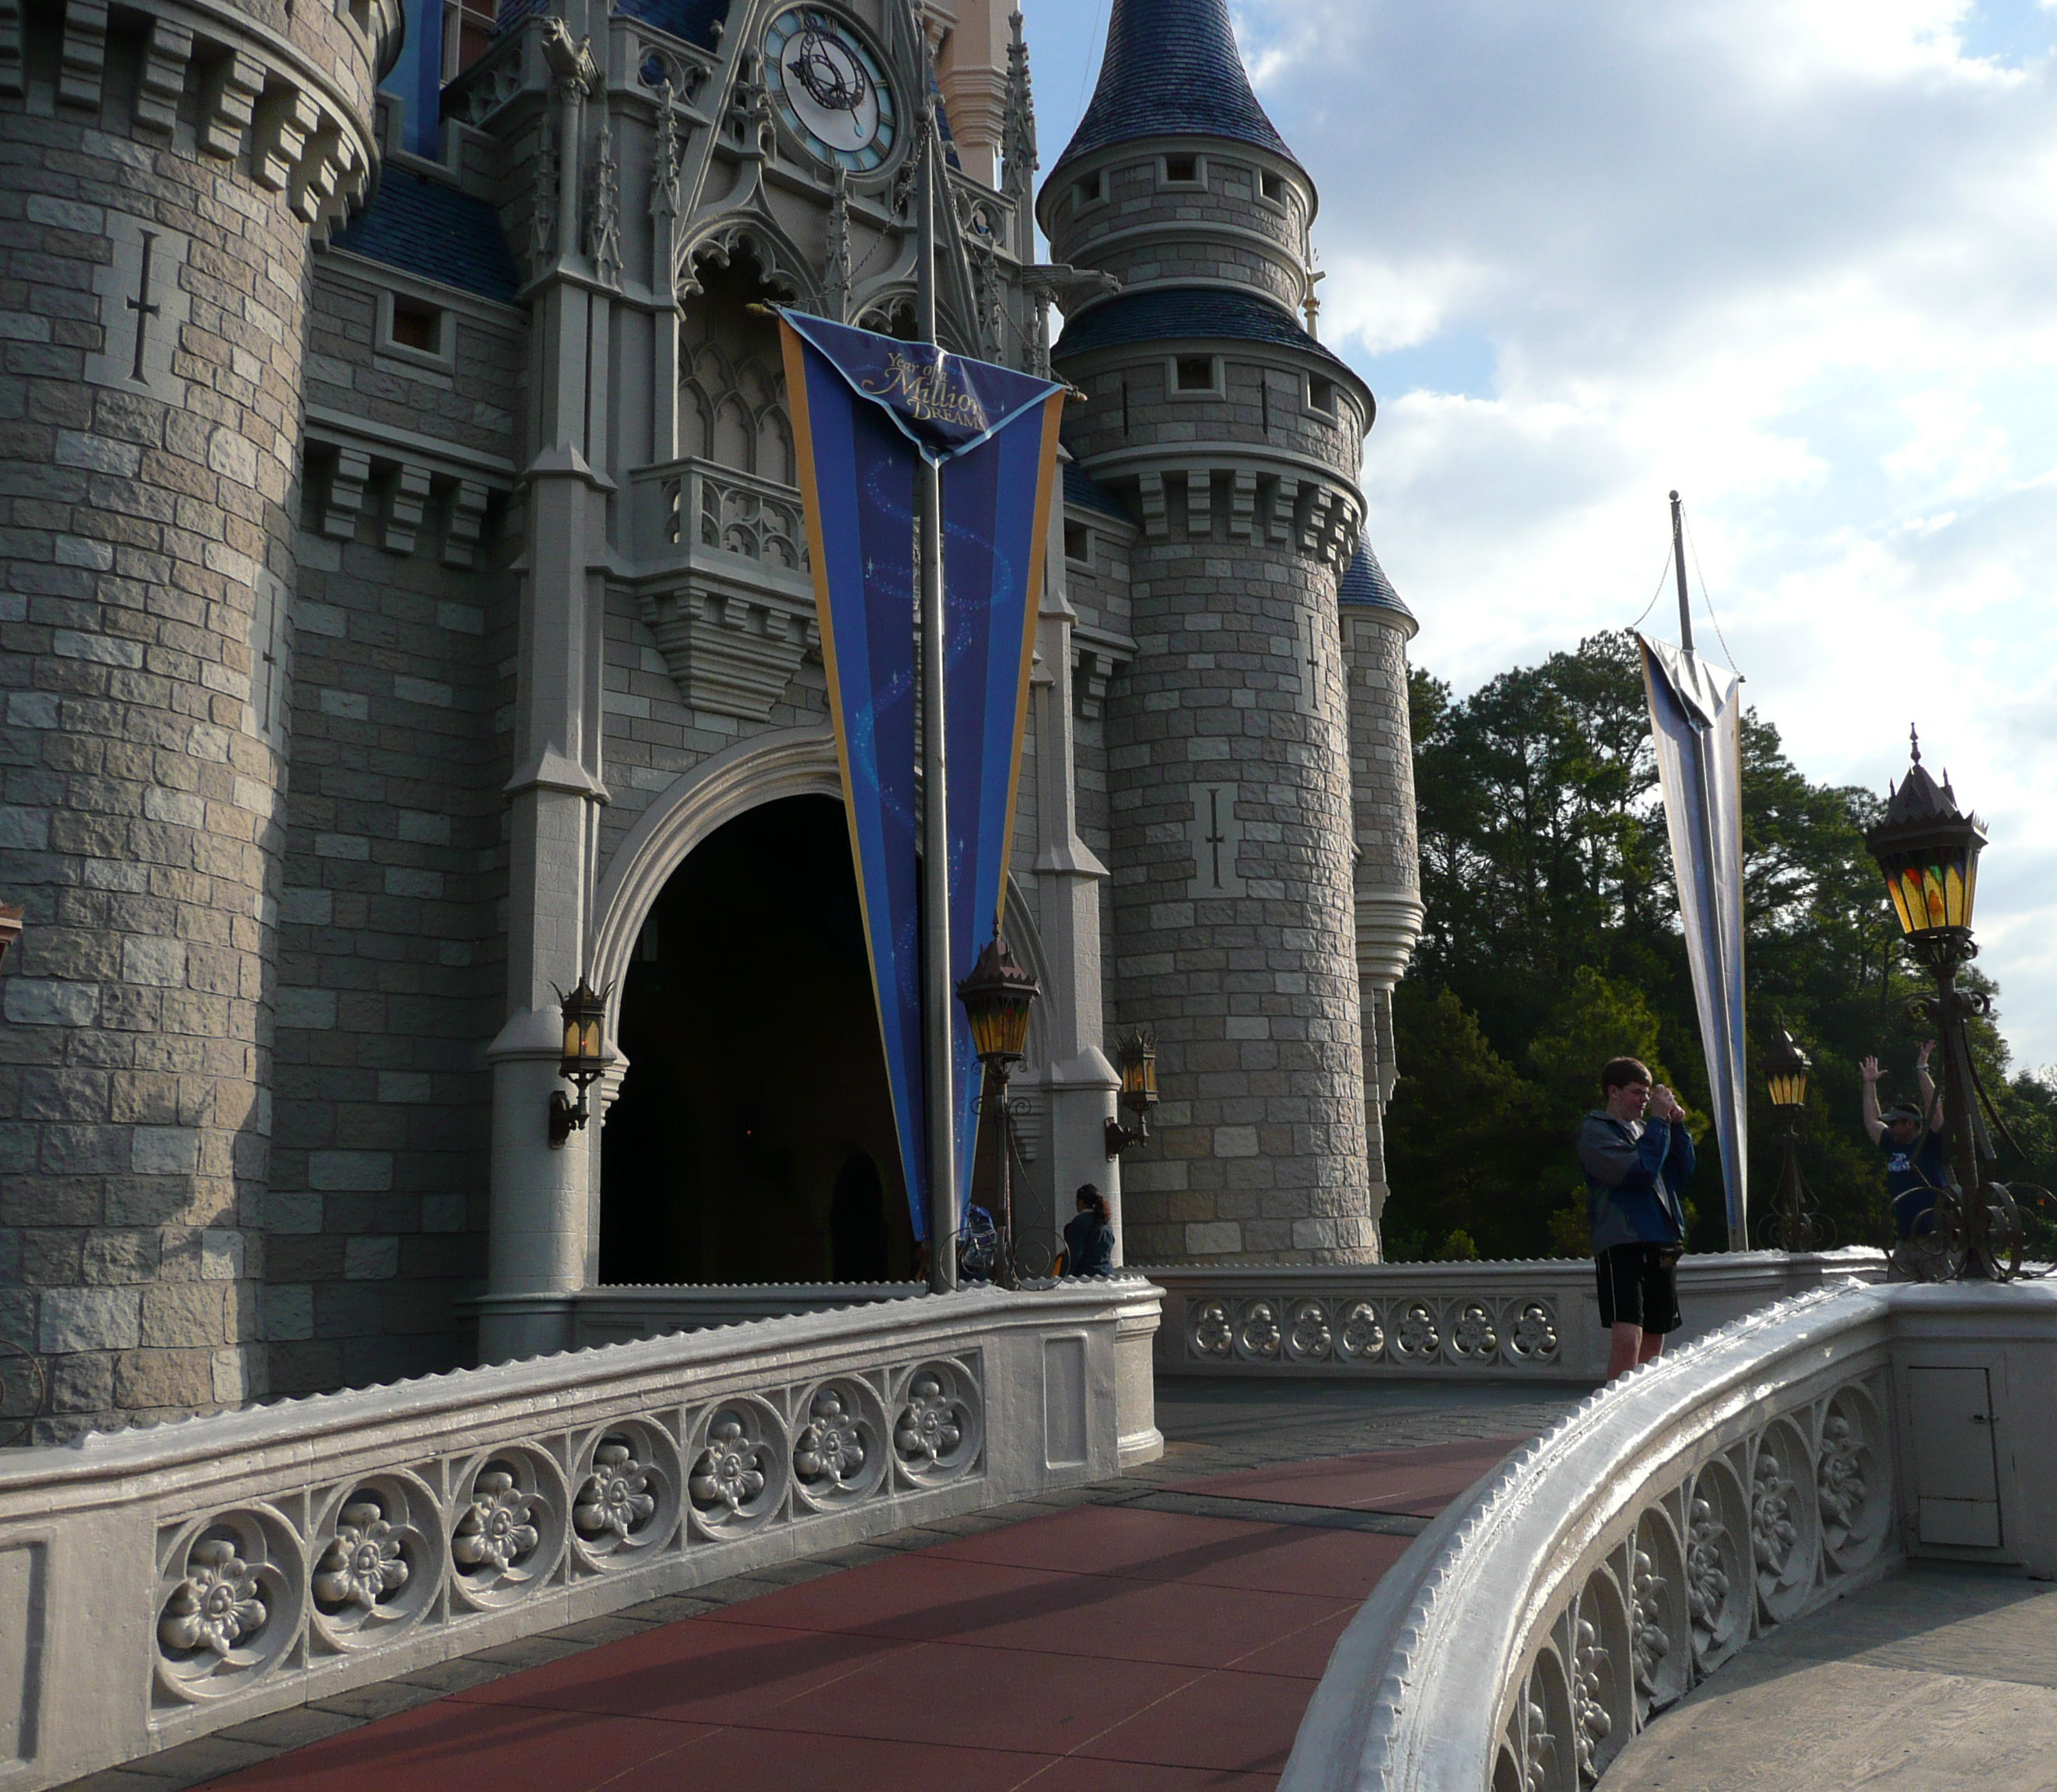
point(829, 88)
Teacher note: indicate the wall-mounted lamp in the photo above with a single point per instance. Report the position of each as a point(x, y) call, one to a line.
point(584, 1064)
point(1139, 1091)
point(10, 925)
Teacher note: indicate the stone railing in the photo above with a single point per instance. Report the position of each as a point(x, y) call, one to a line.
point(161, 1583)
point(1685, 1510)
point(692, 505)
point(721, 578)
point(1524, 1320)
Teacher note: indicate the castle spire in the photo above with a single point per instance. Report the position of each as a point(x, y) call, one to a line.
point(1172, 68)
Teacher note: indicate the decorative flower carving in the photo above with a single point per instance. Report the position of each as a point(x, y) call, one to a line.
point(1591, 1722)
point(1650, 1644)
point(1418, 1334)
point(1840, 1480)
point(1535, 1332)
point(927, 1429)
point(495, 1531)
point(1310, 1336)
point(830, 1446)
point(1261, 1336)
point(1707, 1576)
point(1363, 1336)
point(216, 1606)
point(1772, 1530)
point(363, 1562)
point(617, 1495)
point(726, 1473)
point(1213, 1336)
point(1473, 1337)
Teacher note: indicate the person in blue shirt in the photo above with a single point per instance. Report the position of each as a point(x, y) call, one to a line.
point(1910, 1138)
point(1638, 1157)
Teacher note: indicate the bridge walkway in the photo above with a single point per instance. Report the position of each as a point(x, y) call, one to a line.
point(1160, 1633)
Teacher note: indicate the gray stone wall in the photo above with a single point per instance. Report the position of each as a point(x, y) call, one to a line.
point(390, 955)
point(1231, 911)
point(388, 967)
point(1222, 229)
point(1387, 865)
point(160, 187)
point(1382, 750)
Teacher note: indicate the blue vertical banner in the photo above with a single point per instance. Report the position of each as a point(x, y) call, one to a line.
point(864, 406)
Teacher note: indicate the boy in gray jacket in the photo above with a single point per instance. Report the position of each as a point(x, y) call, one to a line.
point(1637, 1155)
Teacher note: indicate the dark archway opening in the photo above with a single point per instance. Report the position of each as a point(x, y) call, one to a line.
point(753, 1138)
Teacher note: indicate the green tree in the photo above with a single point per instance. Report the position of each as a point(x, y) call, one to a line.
point(1461, 1136)
point(1552, 931)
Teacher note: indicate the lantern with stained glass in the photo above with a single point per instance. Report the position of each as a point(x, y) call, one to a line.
point(584, 1060)
point(998, 996)
point(1797, 1224)
point(1785, 1068)
point(1927, 849)
point(1139, 1091)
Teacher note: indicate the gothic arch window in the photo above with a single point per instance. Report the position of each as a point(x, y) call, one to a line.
point(774, 446)
point(731, 438)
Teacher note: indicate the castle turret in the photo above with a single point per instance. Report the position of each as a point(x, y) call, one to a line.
point(1234, 437)
point(166, 165)
point(1377, 627)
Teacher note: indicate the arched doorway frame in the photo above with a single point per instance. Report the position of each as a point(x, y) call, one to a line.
point(765, 768)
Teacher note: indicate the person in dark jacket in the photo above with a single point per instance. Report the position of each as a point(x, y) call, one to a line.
point(1638, 1157)
point(1089, 1235)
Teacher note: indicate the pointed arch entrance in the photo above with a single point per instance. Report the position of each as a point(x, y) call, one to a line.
point(752, 1137)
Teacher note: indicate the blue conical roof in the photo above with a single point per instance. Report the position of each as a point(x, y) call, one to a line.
point(1365, 583)
point(1172, 70)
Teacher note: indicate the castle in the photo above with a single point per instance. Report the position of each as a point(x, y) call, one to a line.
point(407, 613)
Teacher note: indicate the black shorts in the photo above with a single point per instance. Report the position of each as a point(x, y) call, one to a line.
point(1639, 1287)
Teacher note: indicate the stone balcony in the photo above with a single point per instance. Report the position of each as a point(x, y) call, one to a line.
point(721, 579)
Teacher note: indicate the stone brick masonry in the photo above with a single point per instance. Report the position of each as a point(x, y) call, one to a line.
point(160, 182)
point(1228, 758)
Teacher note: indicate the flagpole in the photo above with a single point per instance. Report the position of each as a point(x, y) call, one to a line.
point(1678, 562)
point(938, 1081)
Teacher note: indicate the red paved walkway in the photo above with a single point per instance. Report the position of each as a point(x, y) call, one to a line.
point(1102, 1647)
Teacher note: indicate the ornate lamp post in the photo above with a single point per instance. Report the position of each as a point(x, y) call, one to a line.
point(998, 996)
point(584, 1064)
point(1927, 849)
point(1139, 1091)
point(1795, 1222)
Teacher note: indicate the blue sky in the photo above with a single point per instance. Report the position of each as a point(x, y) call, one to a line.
point(1797, 258)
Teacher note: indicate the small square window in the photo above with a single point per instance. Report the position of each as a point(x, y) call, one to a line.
point(1182, 170)
point(1195, 373)
point(1274, 187)
point(418, 327)
point(1091, 190)
point(1321, 395)
point(417, 332)
point(1078, 543)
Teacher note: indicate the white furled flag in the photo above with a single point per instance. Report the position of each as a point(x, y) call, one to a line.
point(1696, 723)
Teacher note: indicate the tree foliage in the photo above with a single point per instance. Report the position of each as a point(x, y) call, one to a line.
point(1552, 943)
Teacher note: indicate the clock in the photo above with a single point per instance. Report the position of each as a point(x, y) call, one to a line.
point(828, 87)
